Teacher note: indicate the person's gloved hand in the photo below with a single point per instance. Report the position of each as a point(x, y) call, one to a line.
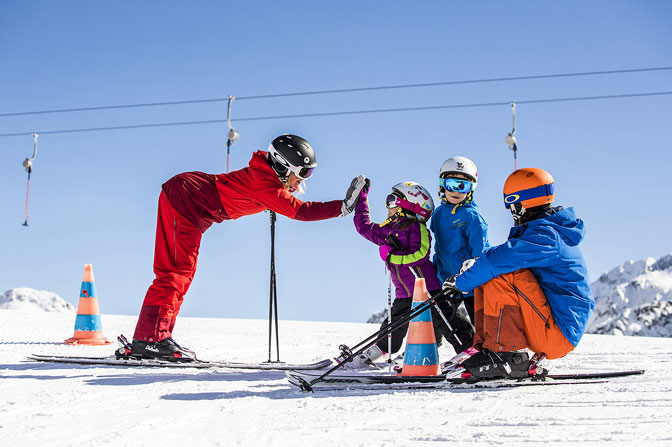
point(393, 242)
point(449, 284)
point(466, 265)
point(365, 189)
point(352, 195)
point(384, 251)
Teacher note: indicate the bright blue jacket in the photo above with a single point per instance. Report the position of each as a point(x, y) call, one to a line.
point(549, 248)
point(460, 233)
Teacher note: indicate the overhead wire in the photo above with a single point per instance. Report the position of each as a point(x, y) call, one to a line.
point(350, 112)
point(345, 90)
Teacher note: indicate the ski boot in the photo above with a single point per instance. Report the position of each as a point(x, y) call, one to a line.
point(166, 349)
point(361, 361)
point(487, 365)
point(457, 360)
point(535, 368)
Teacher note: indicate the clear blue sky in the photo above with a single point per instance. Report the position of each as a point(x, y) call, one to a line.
point(93, 195)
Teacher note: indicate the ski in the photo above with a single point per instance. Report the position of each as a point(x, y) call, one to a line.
point(302, 379)
point(130, 361)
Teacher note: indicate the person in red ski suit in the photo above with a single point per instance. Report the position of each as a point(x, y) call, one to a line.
point(192, 201)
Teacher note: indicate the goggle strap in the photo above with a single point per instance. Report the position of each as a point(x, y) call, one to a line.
point(413, 207)
point(530, 193)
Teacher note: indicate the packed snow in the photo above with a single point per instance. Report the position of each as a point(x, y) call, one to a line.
point(61, 405)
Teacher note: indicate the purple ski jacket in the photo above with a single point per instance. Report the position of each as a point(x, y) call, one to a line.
point(415, 241)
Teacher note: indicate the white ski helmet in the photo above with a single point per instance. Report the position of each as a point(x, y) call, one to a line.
point(460, 165)
point(413, 197)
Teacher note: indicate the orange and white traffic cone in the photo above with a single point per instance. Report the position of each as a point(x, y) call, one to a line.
point(88, 325)
point(421, 357)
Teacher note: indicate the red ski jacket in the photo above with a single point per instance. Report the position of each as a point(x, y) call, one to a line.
point(257, 188)
point(207, 198)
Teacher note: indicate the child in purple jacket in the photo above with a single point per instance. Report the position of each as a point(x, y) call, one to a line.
point(405, 248)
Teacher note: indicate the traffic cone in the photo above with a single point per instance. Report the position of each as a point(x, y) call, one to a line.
point(421, 357)
point(88, 325)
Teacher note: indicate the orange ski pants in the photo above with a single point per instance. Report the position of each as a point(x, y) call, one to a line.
point(511, 312)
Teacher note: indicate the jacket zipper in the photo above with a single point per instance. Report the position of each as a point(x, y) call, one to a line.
point(175, 240)
point(499, 325)
point(528, 301)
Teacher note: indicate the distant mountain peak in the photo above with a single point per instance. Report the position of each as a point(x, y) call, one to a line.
point(634, 298)
point(27, 299)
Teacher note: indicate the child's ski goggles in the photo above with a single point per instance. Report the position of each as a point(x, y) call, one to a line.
point(456, 185)
point(394, 200)
point(391, 200)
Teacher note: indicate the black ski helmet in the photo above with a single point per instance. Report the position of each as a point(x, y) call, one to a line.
point(291, 153)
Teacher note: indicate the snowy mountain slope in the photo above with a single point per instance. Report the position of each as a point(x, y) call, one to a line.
point(30, 300)
point(65, 405)
point(634, 298)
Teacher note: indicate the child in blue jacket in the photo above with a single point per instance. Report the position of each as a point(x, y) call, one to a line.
point(460, 232)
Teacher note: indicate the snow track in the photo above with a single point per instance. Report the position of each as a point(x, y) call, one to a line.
point(62, 405)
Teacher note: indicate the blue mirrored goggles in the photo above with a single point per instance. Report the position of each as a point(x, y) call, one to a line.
point(456, 185)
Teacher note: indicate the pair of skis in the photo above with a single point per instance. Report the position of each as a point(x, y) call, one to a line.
point(305, 381)
point(131, 361)
point(123, 357)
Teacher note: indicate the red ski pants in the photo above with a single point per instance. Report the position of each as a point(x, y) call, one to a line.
point(511, 312)
point(175, 255)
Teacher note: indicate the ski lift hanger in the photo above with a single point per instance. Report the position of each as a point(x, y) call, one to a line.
point(28, 166)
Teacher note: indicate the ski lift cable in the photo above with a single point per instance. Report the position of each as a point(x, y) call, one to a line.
point(351, 112)
point(345, 90)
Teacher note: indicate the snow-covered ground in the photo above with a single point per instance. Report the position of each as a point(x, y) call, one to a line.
point(55, 404)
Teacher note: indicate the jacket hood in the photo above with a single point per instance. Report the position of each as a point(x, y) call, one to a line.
point(565, 222)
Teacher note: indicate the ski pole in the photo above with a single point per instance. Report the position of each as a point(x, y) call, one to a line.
point(273, 301)
point(382, 331)
point(403, 318)
point(443, 317)
point(347, 353)
point(389, 319)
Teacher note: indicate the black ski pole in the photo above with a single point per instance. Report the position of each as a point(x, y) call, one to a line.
point(386, 329)
point(443, 317)
point(273, 300)
point(347, 353)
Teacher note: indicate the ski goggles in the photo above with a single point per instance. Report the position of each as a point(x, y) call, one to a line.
point(531, 193)
point(456, 185)
point(391, 200)
point(302, 173)
point(394, 200)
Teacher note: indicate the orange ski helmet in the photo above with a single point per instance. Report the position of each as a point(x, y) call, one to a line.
point(530, 187)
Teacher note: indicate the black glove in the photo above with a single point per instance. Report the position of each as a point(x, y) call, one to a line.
point(394, 242)
point(449, 284)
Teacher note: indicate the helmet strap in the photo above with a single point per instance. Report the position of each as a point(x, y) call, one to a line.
point(399, 213)
point(517, 211)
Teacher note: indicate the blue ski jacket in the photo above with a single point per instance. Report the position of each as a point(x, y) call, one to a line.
point(549, 248)
point(460, 233)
